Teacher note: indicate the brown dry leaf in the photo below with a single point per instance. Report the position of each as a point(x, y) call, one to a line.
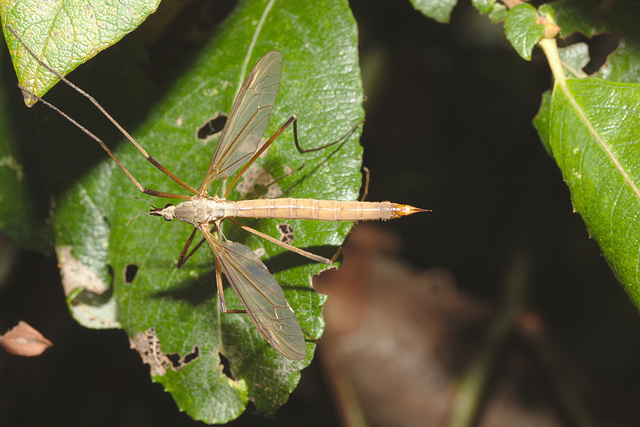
point(23, 340)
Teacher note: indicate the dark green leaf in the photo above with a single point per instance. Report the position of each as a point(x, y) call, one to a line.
point(320, 84)
point(587, 18)
point(22, 216)
point(541, 121)
point(579, 15)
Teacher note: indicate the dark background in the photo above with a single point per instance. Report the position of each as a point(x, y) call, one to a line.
point(448, 127)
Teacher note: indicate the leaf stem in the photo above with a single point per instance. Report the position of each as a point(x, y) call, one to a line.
point(550, 49)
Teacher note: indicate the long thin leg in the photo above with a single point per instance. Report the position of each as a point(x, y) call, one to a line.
point(311, 150)
point(266, 186)
point(183, 257)
point(144, 190)
point(223, 306)
point(153, 161)
point(311, 337)
point(367, 180)
point(299, 251)
point(291, 120)
point(262, 149)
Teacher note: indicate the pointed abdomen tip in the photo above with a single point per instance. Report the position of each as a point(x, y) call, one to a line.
point(405, 210)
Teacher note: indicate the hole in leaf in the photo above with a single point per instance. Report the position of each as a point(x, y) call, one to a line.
point(174, 359)
point(130, 272)
point(212, 126)
point(286, 233)
point(226, 366)
point(258, 183)
point(177, 362)
point(190, 357)
point(600, 47)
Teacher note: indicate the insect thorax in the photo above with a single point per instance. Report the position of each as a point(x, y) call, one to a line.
point(201, 210)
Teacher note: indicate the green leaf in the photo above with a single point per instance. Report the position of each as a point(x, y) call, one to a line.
point(574, 59)
point(320, 84)
point(483, 6)
point(65, 34)
point(585, 17)
point(22, 216)
point(594, 131)
point(440, 10)
point(522, 29)
point(498, 13)
point(579, 15)
point(541, 121)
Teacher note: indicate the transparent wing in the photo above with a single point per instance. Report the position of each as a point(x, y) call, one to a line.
point(248, 119)
point(261, 296)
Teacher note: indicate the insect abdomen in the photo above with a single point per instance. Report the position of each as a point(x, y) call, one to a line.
point(326, 210)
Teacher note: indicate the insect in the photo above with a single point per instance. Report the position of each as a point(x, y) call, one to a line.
point(238, 147)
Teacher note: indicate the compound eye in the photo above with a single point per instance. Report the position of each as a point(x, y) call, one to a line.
point(166, 218)
point(167, 205)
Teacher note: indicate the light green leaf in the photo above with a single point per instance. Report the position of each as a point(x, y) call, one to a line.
point(498, 13)
point(440, 10)
point(594, 132)
point(320, 84)
point(65, 33)
point(523, 30)
point(574, 59)
point(483, 6)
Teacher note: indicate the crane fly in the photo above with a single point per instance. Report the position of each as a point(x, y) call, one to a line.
point(261, 296)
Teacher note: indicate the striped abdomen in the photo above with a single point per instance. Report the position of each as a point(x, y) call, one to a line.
point(326, 210)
